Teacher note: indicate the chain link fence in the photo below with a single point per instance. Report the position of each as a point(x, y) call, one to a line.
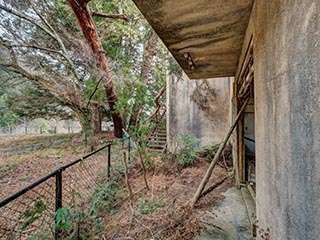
point(32, 212)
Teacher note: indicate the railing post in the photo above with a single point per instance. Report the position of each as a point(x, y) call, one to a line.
point(58, 198)
point(109, 160)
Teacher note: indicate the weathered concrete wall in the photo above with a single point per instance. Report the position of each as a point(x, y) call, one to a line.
point(200, 108)
point(287, 105)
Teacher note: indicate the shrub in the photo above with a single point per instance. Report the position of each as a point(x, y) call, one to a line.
point(187, 148)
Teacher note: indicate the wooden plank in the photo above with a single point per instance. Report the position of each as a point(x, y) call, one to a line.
point(247, 82)
point(236, 139)
point(241, 148)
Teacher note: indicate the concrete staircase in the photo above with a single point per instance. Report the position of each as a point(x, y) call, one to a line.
point(158, 139)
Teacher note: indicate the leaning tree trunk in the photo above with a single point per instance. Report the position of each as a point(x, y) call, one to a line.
point(85, 20)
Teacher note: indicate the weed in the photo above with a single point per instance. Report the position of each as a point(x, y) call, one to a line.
point(188, 147)
point(29, 216)
point(88, 223)
point(23, 178)
point(145, 207)
point(104, 197)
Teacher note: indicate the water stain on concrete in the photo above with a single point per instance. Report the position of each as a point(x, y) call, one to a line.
point(227, 221)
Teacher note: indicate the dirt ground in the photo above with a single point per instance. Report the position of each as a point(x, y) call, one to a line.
point(159, 212)
point(170, 189)
point(21, 169)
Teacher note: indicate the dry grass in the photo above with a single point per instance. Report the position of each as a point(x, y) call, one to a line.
point(19, 170)
point(162, 212)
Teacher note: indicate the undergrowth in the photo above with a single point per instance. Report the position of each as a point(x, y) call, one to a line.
point(88, 222)
point(187, 148)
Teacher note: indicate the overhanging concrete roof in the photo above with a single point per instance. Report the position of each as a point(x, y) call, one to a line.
point(204, 36)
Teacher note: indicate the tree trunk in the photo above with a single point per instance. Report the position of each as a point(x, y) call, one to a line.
point(149, 52)
point(85, 120)
point(85, 20)
point(96, 117)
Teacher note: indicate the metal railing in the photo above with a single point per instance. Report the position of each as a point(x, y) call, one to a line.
point(30, 212)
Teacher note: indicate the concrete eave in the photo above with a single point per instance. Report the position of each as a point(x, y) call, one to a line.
point(204, 36)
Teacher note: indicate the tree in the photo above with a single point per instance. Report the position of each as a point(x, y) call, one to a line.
point(43, 45)
point(148, 54)
point(36, 45)
point(86, 23)
point(30, 101)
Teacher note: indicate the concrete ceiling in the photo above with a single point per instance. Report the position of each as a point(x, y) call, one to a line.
point(204, 36)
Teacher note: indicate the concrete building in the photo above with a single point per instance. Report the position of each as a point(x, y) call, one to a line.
point(198, 108)
point(272, 50)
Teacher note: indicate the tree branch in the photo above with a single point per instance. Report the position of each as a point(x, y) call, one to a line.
point(28, 19)
point(50, 31)
point(22, 45)
point(94, 91)
point(114, 16)
point(156, 101)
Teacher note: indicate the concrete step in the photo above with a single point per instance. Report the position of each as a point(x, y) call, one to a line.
point(156, 139)
point(156, 150)
point(155, 145)
point(159, 135)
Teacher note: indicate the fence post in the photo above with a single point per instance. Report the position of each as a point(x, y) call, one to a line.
point(109, 160)
point(129, 149)
point(58, 197)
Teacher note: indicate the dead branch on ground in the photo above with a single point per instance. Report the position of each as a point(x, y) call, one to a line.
point(213, 186)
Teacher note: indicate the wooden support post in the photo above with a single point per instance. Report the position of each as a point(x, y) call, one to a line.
point(109, 161)
point(217, 156)
point(235, 152)
point(129, 148)
point(241, 148)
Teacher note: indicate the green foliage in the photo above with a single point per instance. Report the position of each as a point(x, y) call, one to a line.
point(7, 117)
point(188, 147)
point(29, 216)
point(104, 197)
point(144, 207)
point(140, 136)
point(89, 223)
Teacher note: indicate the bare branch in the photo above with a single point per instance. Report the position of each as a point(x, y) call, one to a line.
point(28, 19)
point(156, 101)
point(50, 31)
point(38, 48)
point(94, 91)
point(114, 16)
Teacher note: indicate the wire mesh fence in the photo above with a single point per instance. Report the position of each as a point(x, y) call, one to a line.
point(32, 212)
